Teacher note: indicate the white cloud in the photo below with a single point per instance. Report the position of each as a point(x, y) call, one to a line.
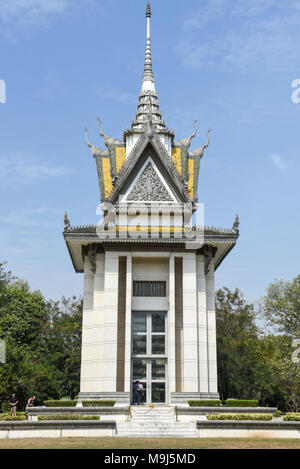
point(22, 17)
point(22, 170)
point(244, 34)
point(25, 15)
point(278, 162)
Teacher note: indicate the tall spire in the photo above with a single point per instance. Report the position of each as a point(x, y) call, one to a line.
point(148, 77)
point(148, 109)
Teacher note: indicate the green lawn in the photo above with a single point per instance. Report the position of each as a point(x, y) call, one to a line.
point(149, 443)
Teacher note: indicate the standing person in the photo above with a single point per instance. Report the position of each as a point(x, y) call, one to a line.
point(29, 404)
point(141, 388)
point(137, 392)
point(13, 405)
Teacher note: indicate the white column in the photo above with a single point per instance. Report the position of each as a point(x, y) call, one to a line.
point(190, 326)
point(202, 325)
point(97, 324)
point(171, 327)
point(127, 374)
point(211, 326)
point(110, 343)
point(87, 377)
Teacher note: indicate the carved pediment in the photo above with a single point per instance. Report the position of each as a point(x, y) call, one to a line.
point(149, 187)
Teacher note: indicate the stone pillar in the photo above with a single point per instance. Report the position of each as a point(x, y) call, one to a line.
point(202, 325)
point(211, 327)
point(190, 326)
point(171, 327)
point(110, 342)
point(88, 380)
point(127, 374)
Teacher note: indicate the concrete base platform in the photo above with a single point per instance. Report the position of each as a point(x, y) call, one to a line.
point(121, 398)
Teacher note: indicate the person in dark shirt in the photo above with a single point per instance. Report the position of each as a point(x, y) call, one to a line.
point(137, 393)
point(13, 405)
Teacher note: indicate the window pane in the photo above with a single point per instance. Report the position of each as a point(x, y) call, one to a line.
point(139, 323)
point(158, 344)
point(139, 344)
point(158, 369)
point(158, 392)
point(139, 370)
point(158, 322)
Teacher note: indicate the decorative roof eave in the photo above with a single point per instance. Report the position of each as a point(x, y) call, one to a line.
point(89, 234)
point(75, 242)
point(165, 159)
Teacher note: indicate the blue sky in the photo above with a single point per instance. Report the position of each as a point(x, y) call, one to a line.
point(228, 63)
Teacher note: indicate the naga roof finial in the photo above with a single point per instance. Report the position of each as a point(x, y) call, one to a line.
point(200, 151)
point(186, 142)
point(66, 222)
point(107, 140)
point(236, 225)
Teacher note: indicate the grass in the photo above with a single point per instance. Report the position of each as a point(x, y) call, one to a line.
point(149, 443)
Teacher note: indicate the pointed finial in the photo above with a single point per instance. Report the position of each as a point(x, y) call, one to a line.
point(148, 11)
point(148, 76)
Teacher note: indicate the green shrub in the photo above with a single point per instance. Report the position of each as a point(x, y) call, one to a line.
point(98, 403)
point(241, 403)
point(60, 403)
point(9, 418)
point(5, 407)
point(212, 403)
point(292, 417)
point(239, 417)
point(278, 413)
point(68, 417)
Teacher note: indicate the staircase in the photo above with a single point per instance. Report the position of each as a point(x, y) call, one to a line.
point(154, 422)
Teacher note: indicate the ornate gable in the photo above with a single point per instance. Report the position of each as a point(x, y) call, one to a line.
point(149, 186)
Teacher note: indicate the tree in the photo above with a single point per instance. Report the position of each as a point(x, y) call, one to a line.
point(281, 307)
point(238, 347)
point(43, 342)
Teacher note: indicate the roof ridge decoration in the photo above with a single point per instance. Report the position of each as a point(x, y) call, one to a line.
point(95, 150)
point(107, 140)
point(200, 151)
point(186, 142)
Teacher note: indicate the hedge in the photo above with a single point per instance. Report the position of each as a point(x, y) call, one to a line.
point(241, 403)
point(213, 403)
point(68, 417)
point(10, 418)
point(239, 417)
point(292, 417)
point(98, 403)
point(60, 403)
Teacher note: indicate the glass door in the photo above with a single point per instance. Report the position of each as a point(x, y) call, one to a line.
point(149, 356)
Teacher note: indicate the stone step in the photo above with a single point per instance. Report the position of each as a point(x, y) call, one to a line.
point(156, 429)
